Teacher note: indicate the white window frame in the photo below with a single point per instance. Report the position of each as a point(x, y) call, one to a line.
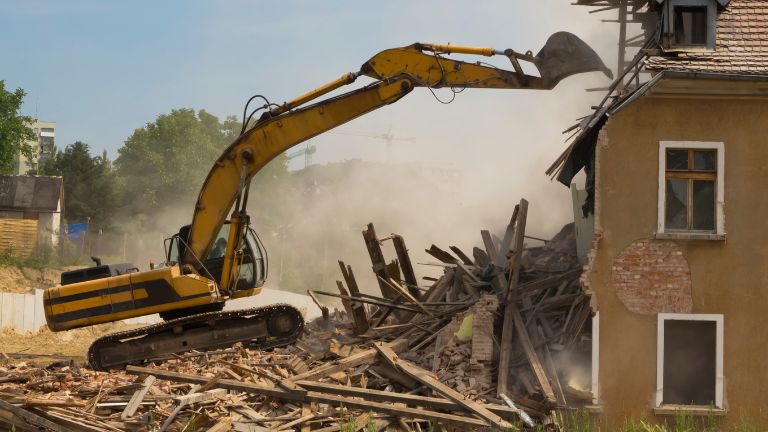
point(720, 186)
point(718, 319)
point(596, 359)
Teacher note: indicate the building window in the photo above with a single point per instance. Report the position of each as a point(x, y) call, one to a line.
point(690, 26)
point(691, 187)
point(689, 367)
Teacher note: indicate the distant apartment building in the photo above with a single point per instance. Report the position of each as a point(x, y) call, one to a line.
point(42, 147)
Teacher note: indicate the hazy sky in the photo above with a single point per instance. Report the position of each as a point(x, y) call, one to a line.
point(102, 69)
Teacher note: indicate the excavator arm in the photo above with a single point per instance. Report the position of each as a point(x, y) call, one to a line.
point(396, 72)
point(188, 292)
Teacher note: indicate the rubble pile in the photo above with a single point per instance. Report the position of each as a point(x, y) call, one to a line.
point(481, 346)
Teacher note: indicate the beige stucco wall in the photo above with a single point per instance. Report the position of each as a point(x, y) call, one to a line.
point(727, 277)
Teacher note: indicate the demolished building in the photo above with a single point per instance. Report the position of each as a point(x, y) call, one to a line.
point(674, 179)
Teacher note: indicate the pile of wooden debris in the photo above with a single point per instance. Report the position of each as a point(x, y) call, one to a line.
point(481, 347)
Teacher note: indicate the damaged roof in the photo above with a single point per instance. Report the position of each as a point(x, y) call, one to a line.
point(741, 44)
point(741, 48)
point(30, 193)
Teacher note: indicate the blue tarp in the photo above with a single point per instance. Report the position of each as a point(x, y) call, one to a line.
point(76, 231)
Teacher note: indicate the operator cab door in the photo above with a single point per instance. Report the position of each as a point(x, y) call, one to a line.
point(253, 268)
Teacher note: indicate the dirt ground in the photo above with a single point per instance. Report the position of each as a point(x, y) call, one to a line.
point(27, 279)
point(72, 343)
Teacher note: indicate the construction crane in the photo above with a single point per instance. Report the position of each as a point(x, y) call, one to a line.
point(386, 136)
point(307, 152)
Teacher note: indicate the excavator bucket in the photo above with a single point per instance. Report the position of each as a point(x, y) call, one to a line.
point(564, 55)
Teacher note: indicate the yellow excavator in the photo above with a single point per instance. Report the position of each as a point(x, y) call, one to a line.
point(213, 259)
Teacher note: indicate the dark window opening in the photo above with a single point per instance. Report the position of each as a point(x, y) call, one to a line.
point(691, 179)
point(690, 371)
point(690, 26)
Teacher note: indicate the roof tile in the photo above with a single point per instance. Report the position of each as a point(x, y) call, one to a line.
point(741, 43)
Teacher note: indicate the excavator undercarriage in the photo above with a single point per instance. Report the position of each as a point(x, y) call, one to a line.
point(258, 328)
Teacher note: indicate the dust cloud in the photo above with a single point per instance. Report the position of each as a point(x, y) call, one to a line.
point(462, 168)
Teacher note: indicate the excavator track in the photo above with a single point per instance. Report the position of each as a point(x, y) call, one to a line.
point(259, 328)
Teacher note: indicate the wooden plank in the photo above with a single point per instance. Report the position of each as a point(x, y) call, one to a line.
point(306, 410)
point(519, 243)
point(222, 425)
point(359, 317)
point(406, 266)
point(441, 255)
point(530, 353)
point(552, 371)
point(299, 420)
point(31, 417)
point(403, 398)
point(481, 258)
point(137, 397)
point(505, 350)
point(354, 360)
point(77, 420)
point(36, 402)
point(277, 393)
point(491, 249)
point(430, 381)
point(407, 295)
point(437, 292)
point(462, 256)
point(506, 242)
point(197, 397)
point(379, 264)
point(345, 301)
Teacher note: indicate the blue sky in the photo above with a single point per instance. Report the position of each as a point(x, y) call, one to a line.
point(102, 69)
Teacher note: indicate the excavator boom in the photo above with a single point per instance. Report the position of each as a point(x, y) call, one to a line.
point(214, 260)
point(396, 71)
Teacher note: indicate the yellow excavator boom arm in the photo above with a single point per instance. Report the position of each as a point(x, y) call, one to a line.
point(396, 72)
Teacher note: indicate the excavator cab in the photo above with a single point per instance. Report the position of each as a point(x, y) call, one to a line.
point(252, 270)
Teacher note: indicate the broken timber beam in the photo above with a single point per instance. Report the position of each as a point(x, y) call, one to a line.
point(358, 310)
point(441, 255)
point(506, 242)
point(505, 349)
point(30, 417)
point(430, 381)
point(530, 352)
point(312, 396)
point(491, 249)
point(407, 295)
point(354, 360)
point(137, 398)
point(403, 398)
point(379, 264)
point(409, 276)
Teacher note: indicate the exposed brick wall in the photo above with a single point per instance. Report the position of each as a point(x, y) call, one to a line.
point(481, 362)
point(652, 276)
point(586, 275)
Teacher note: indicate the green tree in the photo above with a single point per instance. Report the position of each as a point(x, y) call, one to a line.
point(14, 129)
point(89, 184)
point(167, 160)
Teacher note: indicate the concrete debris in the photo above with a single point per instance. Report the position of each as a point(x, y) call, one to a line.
point(410, 359)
